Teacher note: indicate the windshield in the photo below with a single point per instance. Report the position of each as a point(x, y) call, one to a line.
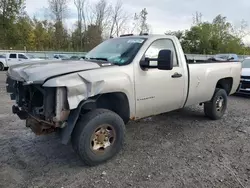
point(246, 63)
point(119, 50)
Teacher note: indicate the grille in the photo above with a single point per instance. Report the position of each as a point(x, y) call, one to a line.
point(245, 77)
point(245, 86)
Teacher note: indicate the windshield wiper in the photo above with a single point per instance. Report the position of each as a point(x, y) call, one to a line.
point(99, 58)
point(102, 59)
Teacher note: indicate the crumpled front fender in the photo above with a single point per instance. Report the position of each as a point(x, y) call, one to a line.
point(83, 85)
point(78, 88)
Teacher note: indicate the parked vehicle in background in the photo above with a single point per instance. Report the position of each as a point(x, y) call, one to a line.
point(224, 57)
point(66, 57)
point(122, 79)
point(74, 57)
point(2, 62)
point(244, 86)
point(216, 58)
point(61, 56)
point(9, 59)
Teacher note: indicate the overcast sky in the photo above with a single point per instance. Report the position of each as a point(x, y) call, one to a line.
point(166, 15)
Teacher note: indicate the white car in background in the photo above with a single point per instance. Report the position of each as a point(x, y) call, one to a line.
point(244, 87)
point(9, 59)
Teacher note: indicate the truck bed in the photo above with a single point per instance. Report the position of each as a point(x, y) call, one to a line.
point(203, 76)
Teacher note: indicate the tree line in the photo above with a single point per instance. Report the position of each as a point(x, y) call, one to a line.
point(101, 20)
point(218, 36)
point(95, 23)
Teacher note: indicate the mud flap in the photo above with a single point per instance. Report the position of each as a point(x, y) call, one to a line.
point(65, 133)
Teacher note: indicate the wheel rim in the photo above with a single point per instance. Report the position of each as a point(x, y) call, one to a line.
point(103, 138)
point(1, 67)
point(220, 103)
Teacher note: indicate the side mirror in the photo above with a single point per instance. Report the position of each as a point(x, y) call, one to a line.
point(165, 60)
point(144, 63)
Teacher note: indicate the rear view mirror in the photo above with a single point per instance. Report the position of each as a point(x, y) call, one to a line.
point(165, 60)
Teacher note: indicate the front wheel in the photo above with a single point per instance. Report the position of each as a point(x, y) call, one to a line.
point(216, 108)
point(98, 136)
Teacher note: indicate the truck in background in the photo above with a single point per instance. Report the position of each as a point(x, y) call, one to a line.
point(9, 59)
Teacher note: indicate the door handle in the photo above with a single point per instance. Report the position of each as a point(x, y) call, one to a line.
point(176, 75)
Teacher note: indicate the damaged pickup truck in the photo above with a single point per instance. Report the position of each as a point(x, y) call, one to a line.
point(124, 78)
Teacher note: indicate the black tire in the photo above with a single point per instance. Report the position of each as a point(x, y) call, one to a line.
point(1, 66)
point(85, 128)
point(211, 109)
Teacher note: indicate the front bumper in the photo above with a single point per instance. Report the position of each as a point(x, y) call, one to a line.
point(244, 86)
point(45, 109)
point(38, 126)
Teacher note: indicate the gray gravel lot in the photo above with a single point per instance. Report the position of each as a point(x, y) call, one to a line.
point(177, 149)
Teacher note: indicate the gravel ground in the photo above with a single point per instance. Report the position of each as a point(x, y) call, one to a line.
point(177, 149)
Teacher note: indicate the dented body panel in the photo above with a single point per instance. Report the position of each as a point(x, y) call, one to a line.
point(86, 84)
point(38, 72)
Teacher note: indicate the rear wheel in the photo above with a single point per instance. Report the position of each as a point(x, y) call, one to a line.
point(98, 136)
point(1, 67)
point(216, 108)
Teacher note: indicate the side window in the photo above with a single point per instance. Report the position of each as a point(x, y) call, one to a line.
point(162, 44)
point(12, 56)
point(21, 56)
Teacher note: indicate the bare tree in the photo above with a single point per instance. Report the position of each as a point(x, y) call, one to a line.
point(80, 5)
point(102, 13)
point(197, 18)
point(89, 14)
point(241, 29)
point(140, 24)
point(144, 27)
point(58, 9)
point(118, 19)
point(136, 23)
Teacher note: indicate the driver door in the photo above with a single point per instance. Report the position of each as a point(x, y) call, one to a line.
point(158, 91)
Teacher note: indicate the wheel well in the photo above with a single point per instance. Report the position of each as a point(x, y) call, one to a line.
point(226, 84)
point(116, 102)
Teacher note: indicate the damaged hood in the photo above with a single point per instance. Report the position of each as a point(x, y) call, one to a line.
point(38, 72)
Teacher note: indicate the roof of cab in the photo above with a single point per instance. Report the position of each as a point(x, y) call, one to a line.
point(155, 36)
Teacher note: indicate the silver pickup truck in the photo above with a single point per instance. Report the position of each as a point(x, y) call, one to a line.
point(125, 78)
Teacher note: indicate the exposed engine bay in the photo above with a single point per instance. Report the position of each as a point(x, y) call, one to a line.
point(45, 109)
